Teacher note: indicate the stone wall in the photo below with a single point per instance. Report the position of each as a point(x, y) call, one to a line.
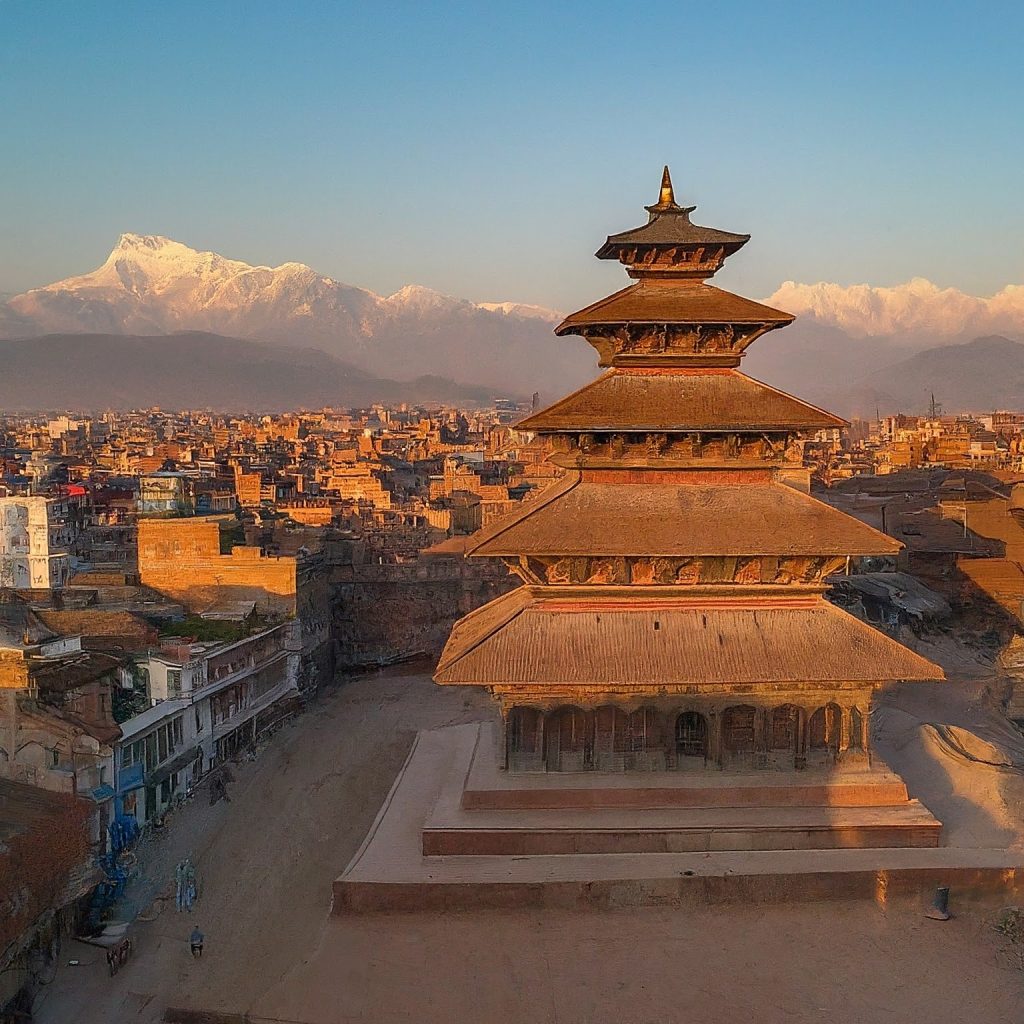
point(181, 559)
point(383, 613)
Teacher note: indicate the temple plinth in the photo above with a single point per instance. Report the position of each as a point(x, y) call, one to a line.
point(673, 615)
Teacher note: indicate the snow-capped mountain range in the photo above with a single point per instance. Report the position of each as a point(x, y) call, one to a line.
point(151, 285)
point(915, 307)
point(154, 285)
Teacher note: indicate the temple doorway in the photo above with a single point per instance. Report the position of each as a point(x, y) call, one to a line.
point(738, 736)
point(570, 741)
point(691, 736)
point(646, 749)
point(525, 735)
point(857, 730)
point(784, 735)
point(611, 738)
point(823, 733)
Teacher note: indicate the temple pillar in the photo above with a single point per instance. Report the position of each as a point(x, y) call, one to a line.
point(845, 725)
point(865, 732)
point(803, 729)
point(762, 724)
point(715, 737)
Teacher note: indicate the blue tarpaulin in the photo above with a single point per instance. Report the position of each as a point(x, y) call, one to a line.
point(130, 778)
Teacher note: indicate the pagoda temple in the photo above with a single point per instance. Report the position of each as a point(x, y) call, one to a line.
point(673, 612)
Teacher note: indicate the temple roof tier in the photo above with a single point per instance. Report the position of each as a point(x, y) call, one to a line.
point(525, 638)
point(671, 513)
point(672, 302)
point(679, 400)
point(686, 246)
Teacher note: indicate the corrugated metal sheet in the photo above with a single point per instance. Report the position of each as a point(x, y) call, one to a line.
point(679, 400)
point(690, 303)
point(899, 589)
point(681, 642)
point(591, 518)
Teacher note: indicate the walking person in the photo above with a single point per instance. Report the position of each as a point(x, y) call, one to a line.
point(179, 885)
point(196, 942)
point(190, 885)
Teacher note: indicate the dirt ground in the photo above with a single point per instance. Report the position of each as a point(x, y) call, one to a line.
point(266, 862)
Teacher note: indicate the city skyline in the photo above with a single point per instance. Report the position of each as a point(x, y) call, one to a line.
point(511, 512)
point(399, 146)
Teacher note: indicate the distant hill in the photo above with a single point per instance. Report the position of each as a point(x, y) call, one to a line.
point(857, 348)
point(980, 375)
point(196, 370)
point(865, 374)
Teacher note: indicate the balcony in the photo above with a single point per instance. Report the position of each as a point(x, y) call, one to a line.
point(252, 666)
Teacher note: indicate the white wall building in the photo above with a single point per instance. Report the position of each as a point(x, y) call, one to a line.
point(209, 701)
point(34, 540)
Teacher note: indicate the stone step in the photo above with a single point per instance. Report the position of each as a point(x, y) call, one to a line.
point(710, 791)
point(456, 832)
point(390, 873)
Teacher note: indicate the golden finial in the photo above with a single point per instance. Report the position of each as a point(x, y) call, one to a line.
point(667, 197)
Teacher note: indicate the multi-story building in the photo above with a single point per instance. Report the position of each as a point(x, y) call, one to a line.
point(35, 537)
point(167, 494)
point(57, 725)
point(207, 702)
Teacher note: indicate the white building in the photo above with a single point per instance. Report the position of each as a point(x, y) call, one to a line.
point(209, 701)
point(34, 540)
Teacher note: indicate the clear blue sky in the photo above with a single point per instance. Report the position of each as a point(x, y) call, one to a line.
point(487, 149)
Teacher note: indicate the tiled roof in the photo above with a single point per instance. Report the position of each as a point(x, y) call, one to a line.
point(581, 516)
point(531, 640)
point(674, 399)
point(691, 302)
point(671, 227)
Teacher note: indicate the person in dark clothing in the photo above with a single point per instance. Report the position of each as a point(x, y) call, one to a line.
point(196, 942)
point(219, 789)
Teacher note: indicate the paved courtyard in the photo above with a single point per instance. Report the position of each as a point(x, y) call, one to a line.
point(298, 813)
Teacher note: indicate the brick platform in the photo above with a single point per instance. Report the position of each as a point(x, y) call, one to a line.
point(390, 872)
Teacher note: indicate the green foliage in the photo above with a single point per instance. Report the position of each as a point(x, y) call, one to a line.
point(233, 537)
point(210, 630)
point(126, 704)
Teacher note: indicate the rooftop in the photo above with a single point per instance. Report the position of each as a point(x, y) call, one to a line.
point(595, 514)
point(524, 639)
point(673, 302)
point(678, 399)
point(669, 224)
